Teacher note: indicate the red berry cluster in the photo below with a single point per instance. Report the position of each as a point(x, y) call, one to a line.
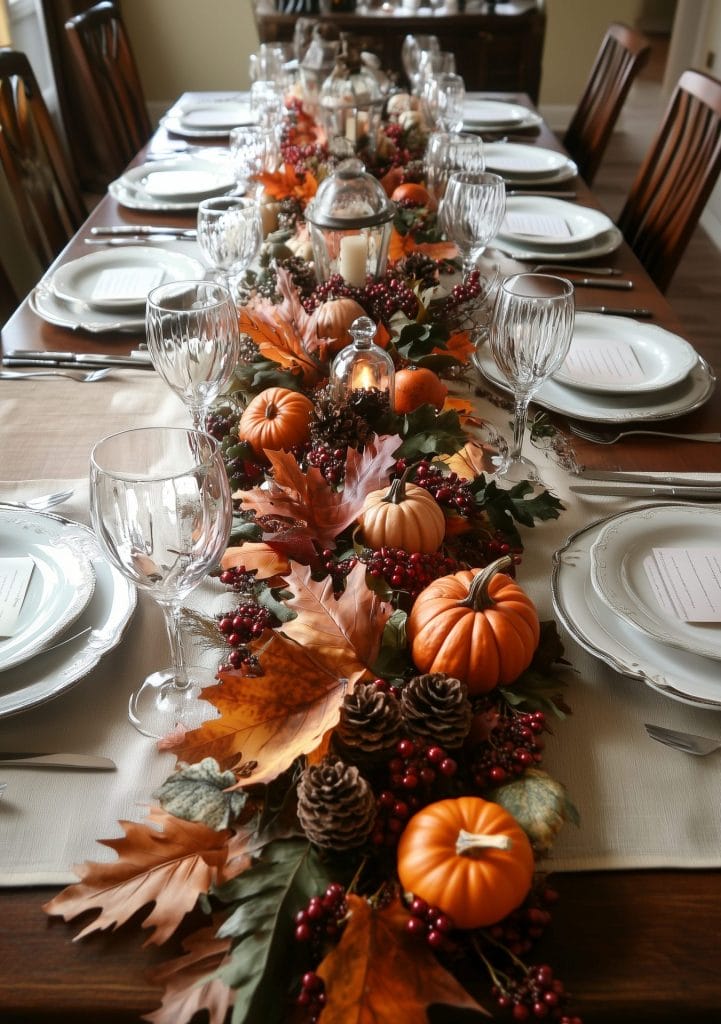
point(337, 570)
point(408, 571)
point(536, 995)
point(465, 291)
point(238, 579)
point(380, 299)
point(429, 923)
point(450, 490)
point(330, 461)
point(525, 925)
point(322, 919)
point(220, 422)
point(514, 745)
point(411, 772)
point(240, 627)
point(312, 995)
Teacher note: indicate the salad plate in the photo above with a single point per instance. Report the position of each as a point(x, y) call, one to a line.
point(528, 165)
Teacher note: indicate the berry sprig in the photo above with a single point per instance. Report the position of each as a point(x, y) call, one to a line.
point(413, 772)
point(330, 461)
point(429, 923)
point(321, 920)
point(408, 571)
point(515, 744)
point(239, 628)
point(536, 994)
point(337, 569)
point(239, 579)
point(522, 928)
point(312, 995)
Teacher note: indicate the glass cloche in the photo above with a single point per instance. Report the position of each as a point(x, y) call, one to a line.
point(351, 102)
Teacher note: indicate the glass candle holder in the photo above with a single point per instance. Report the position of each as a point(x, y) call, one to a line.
point(362, 365)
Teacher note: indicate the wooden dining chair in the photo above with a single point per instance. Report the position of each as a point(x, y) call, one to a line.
point(676, 177)
point(110, 85)
point(39, 175)
point(8, 296)
point(622, 54)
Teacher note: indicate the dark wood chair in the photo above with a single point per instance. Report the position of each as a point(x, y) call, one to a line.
point(8, 296)
point(38, 172)
point(110, 85)
point(676, 177)
point(622, 54)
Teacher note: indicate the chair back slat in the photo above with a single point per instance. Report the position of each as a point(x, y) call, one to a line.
point(8, 296)
point(676, 177)
point(622, 54)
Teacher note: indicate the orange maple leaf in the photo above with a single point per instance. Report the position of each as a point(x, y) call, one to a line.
point(189, 981)
point(402, 245)
point(164, 860)
point(379, 972)
point(287, 183)
point(473, 459)
point(266, 721)
point(459, 345)
point(260, 558)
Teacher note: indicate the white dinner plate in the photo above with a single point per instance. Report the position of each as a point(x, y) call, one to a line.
point(494, 115)
point(603, 245)
point(584, 223)
point(79, 316)
point(182, 179)
point(519, 162)
point(133, 199)
point(620, 579)
point(95, 632)
point(60, 587)
point(136, 269)
point(220, 116)
point(684, 677)
point(662, 358)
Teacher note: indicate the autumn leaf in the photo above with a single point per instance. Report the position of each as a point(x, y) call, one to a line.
point(306, 497)
point(459, 345)
point(473, 459)
point(261, 558)
point(189, 981)
point(266, 721)
point(163, 860)
point(344, 632)
point(379, 973)
point(402, 245)
point(287, 183)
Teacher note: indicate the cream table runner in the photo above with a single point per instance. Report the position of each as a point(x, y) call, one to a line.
point(641, 804)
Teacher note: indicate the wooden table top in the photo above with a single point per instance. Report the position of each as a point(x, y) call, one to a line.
point(634, 947)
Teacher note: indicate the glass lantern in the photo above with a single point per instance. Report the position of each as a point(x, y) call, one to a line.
point(350, 101)
point(317, 64)
point(363, 365)
point(350, 220)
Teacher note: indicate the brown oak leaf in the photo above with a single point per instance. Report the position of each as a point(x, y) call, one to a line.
point(188, 984)
point(163, 860)
point(266, 721)
point(259, 557)
point(344, 632)
point(306, 496)
point(379, 973)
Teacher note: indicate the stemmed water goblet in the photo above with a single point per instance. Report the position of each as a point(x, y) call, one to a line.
point(161, 509)
point(447, 152)
point(443, 97)
point(530, 334)
point(472, 211)
point(253, 149)
point(230, 234)
point(193, 341)
point(411, 50)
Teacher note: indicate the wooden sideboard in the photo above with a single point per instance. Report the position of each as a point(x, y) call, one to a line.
point(497, 49)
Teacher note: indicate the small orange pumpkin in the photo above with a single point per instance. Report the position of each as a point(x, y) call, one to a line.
point(334, 319)
point(469, 857)
point(412, 192)
point(276, 418)
point(478, 626)
point(415, 386)
point(405, 516)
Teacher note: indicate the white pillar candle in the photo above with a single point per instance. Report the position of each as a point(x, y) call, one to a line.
point(353, 260)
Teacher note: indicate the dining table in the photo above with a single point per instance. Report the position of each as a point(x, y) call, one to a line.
point(635, 927)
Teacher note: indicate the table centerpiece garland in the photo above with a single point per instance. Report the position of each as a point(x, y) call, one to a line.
point(364, 820)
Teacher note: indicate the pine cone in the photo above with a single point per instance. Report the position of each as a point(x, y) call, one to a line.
point(338, 423)
point(336, 806)
point(436, 707)
point(370, 720)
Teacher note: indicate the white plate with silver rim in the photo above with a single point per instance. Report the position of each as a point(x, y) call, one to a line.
point(82, 280)
point(60, 587)
point(662, 358)
point(621, 581)
point(218, 116)
point(182, 179)
point(98, 630)
point(602, 245)
point(517, 162)
point(132, 199)
point(584, 224)
point(78, 316)
point(495, 115)
point(684, 677)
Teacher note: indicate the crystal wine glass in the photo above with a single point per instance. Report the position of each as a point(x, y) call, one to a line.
point(447, 152)
point(161, 509)
point(230, 234)
point(413, 47)
point(472, 211)
point(193, 340)
point(253, 150)
point(443, 97)
point(530, 335)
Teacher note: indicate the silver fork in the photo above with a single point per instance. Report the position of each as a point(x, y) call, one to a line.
point(686, 742)
point(611, 436)
point(41, 503)
point(80, 376)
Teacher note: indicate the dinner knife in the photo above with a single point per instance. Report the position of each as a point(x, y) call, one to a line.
point(90, 762)
point(536, 192)
point(631, 490)
point(613, 311)
point(621, 284)
point(81, 362)
point(139, 356)
point(143, 229)
point(144, 239)
point(667, 480)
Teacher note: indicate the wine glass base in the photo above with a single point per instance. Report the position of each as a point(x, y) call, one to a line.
point(515, 471)
point(160, 706)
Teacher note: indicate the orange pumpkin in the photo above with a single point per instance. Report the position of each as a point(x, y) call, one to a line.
point(469, 857)
point(417, 385)
point(478, 626)
point(334, 319)
point(417, 195)
point(276, 418)
point(405, 516)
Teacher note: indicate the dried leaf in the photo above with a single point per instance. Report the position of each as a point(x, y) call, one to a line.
point(379, 974)
point(344, 632)
point(189, 983)
point(539, 804)
point(261, 558)
point(402, 245)
point(195, 793)
point(163, 860)
point(473, 459)
point(266, 721)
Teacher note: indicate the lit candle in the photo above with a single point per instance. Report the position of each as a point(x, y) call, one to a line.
point(353, 260)
point(362, 378)
point(350, 126)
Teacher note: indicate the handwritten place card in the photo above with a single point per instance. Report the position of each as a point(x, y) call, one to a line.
point(537, 224)
point(687, 582)
point(599, 362)
point(127, 282)
point(15, 576)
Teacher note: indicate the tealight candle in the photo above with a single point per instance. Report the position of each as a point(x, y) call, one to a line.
point(353, 260)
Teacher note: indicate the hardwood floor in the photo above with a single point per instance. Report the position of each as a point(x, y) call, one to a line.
point(695, 291)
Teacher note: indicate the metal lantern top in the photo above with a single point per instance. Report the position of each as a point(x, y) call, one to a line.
point(350, 198)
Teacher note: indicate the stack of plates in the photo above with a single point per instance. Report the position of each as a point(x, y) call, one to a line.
point(665, 376)
point(493, 115)
point(75, 609)
point(603, 596)
point(106, 290)
point(526, 165)
point(177, 184)
point(549, 230)
point(209, 119)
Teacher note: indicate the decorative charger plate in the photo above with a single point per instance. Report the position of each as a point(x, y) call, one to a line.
point(60, 587)
point(78, 316)
point(95, 632)
point(676, 674)
point(620, 579)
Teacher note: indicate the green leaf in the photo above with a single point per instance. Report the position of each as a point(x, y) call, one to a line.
point(417, 340)
point(438, 362)
point(539, 688)
point(506, 506)
point(195, 793)
point(426, 432)
point(244, 529)
point(393, 658)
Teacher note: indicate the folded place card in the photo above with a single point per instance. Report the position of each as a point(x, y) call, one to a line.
point(600, 362)
point(15, 576)
point(687, 582)
point(127, 282)
point(538, 224)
